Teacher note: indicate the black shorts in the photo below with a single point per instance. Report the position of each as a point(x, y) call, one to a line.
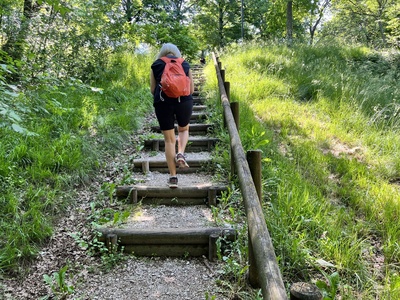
point(170, 110)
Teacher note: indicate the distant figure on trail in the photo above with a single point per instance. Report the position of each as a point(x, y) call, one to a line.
point(168, 109)
point(202, 60)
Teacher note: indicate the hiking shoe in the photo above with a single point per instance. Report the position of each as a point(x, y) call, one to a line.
point(173, 182)
point(181, 161)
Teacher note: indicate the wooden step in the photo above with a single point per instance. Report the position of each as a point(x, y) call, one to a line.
point(195, 144)
point(198, 100)
point(198, 108)
point(163, 195)
point(172, 242)
point(198, 117)
point(159, 164)
point(195, 129)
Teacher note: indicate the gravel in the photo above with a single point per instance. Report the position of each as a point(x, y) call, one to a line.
point(133, 277)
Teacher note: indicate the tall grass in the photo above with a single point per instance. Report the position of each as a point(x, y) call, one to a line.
point(331, 200)
point(71, 124)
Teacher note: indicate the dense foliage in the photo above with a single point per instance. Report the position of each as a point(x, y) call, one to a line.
point(70, 125)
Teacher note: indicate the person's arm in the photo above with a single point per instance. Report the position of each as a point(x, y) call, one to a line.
point(152, 82)
point(191, 82)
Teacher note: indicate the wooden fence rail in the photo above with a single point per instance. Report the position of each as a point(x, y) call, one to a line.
point(269, 276)
point(264, 271)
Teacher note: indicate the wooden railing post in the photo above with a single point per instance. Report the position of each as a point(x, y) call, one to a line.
point(227, 86)
point(304, 291)
point(254, 161)
point(235, 113)
point(272, 286)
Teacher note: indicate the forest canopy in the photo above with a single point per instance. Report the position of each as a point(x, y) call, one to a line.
point(72, 37)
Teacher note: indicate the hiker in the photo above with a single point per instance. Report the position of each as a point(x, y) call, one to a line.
point(168, 109)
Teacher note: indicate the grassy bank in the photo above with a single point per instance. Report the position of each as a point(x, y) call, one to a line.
point(331, 193)
point(55, 135)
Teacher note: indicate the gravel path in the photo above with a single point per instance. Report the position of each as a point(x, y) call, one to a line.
point(133, 277)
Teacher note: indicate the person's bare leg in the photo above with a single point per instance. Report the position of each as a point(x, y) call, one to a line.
point(183, 138)
point(170, 144)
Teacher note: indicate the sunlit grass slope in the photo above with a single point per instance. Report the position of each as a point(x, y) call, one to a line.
point(331, 192)
point(70, 125)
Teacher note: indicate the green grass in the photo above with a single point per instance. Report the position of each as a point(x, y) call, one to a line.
point(330, 116)
point(326, 119)
point(70, 127)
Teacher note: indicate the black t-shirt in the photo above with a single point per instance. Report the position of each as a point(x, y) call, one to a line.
point(158, 68)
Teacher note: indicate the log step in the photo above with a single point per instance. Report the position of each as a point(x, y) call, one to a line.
point(185, 195)
point(198, 116)
point(195, 129)
point(173, 242)
point(197, 108)
point(198, 100)
point(194, 144)
point(159, 164)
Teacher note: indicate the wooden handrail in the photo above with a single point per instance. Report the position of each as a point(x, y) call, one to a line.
point(267, 267)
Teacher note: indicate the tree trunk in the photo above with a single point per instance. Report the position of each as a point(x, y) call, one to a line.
point(14, 47)
point(381, 10)
point(289, 22)
point(221, 25)
point(128, 10)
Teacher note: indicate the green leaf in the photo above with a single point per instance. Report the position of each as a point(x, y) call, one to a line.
point(14, 116)
point(97, 90)
point(48, 279)
point(22, 130)
point(18, 128)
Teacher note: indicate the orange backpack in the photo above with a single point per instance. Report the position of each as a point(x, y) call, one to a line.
point(174, 82)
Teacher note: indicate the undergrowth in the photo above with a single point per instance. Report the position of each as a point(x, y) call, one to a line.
point(55, 136)
point(331, 198)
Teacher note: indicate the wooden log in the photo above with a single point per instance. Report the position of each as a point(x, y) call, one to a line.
point(198, 100)
point(164, 169)
point(227, 92)
point(145, 166)
point(235, 113)
point(173, 201)
point(227, 86)
point(212, 195)
point(202, 191)
point(194, 144)
point(167, 236)
point(133, 196)
point(194, 129)
point(167, 250)
point(222, 74)
point(212, 247)
point(304, 291)
point(111, 242)
point(199, 115)
point(155, 144)
point(161, 162)
point(254, 161)
point(198, 108)
point(268, 270)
